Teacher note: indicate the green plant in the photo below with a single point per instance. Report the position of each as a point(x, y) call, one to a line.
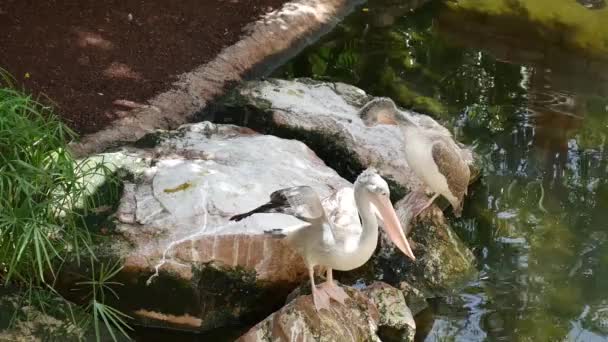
point(101, 285)
point(45, 195)
point(36, 171)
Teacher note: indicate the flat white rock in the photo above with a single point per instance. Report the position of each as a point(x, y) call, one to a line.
point(332, 109)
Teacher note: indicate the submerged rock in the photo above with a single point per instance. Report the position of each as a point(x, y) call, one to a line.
point(176, 239)
point(326, 117)
point(377, 313)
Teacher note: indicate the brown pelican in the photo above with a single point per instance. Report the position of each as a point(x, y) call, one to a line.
point(336, 238)
point(432, 154)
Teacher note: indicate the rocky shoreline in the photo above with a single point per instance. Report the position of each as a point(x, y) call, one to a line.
point(187, 267)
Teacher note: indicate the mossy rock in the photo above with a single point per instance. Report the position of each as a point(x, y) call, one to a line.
point(60, 320)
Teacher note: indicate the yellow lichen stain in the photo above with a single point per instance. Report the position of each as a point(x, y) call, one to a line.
point(180, 187)
point(293, 92)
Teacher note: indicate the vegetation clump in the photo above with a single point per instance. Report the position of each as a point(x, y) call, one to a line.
point(44, 200)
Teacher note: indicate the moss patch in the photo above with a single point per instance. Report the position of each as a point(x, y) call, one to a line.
point(233, 296)
point(219, 296)
point(561, 21)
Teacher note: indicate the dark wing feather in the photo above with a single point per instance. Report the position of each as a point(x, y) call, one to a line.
point(300, 201)
point(449, 161)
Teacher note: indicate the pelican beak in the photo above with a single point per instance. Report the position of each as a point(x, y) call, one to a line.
point(392, 225)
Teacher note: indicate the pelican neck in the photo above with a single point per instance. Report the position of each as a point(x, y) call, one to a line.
point(369, 221)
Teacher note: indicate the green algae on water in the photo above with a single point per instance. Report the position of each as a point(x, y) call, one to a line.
point(565, 21)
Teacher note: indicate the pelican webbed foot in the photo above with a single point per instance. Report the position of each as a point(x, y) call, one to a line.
point(320, 298)
point(334, 291)
point(421, 203)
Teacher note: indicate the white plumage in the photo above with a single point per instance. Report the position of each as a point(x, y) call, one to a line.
point(342, 231)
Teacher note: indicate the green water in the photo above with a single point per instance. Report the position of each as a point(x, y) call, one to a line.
point(537, 111)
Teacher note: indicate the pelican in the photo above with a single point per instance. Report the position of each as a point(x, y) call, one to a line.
point(336, 239)
point(433, 155)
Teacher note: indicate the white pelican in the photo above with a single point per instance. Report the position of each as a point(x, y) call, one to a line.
point(432, 154)
point(337, 239)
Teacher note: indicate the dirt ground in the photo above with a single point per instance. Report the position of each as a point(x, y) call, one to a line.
point(84, 55)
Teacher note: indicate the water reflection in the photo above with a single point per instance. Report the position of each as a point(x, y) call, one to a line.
point(538, 113)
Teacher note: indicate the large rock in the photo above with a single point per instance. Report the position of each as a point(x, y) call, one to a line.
point(325, 117)
point(185, 264)
point(377, 313)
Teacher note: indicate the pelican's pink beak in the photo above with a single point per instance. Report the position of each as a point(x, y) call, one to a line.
point(392, 225)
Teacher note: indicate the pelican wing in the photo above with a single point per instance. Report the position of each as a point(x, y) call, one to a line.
point(451, 165)
point(301, 202)
point(342, 213)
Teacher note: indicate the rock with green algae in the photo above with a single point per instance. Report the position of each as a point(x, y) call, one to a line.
point(443, 262)
point(376, 313)
point(173, 233)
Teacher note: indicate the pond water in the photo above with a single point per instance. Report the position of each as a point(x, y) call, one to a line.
point(536, 109)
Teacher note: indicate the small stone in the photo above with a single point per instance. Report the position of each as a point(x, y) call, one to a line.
point(396, 319)
point(414, 298)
